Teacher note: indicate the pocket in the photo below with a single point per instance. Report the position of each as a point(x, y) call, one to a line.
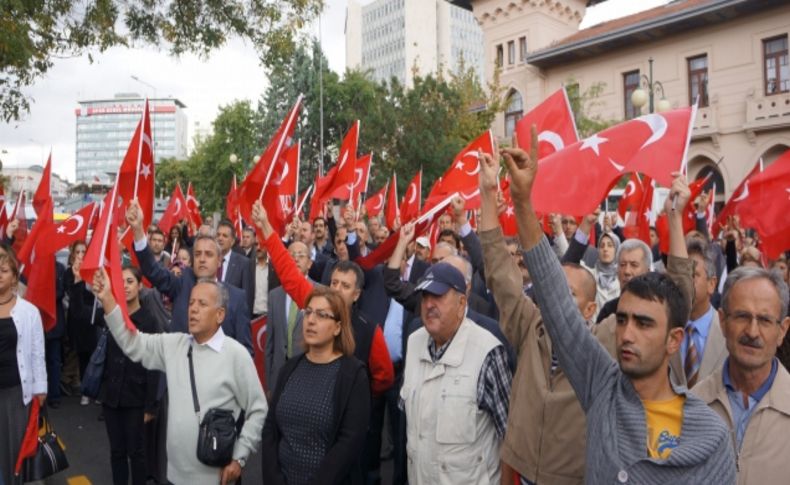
point(456, 422)
point(461, 468)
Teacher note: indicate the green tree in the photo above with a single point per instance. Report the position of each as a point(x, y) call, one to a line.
point(582, 104)
point(34, 32)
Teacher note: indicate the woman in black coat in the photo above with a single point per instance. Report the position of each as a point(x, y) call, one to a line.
point(129, 393)
point(319, 412)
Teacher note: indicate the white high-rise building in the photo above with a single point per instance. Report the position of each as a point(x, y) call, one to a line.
point(393, 37)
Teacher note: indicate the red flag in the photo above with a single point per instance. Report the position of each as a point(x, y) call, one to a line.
point(507, 219)
point(690, 211)
point(258, 330)
point(462, 176)
point(555, 125)
point(39, 268)
point(637, 224)
point(391, 212)
point(342, 175)
point(733, 205)
point(360, 184)
point(105, 252)
point(574, 180)
point(193, 205)
point(20, 235)
point(30, 440)
point(632, 196)
point(662, 229)
point(384, 250)
point(75, 228)
point(375, 203)
point(710, 210)
point(176, 210)
point(767, 206)
point(287, 182)
point(43, 193)
point(232, 206)
point(257, 184)
point(136, 174)
point(410, 205)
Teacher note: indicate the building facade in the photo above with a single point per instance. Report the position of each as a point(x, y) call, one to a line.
point(105, 127)
point(731, 54)
point(391, 38)
point(27, 179)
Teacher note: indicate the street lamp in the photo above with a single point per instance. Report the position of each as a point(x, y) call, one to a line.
point(233, 158)
point(639, 97)
point(153, 130)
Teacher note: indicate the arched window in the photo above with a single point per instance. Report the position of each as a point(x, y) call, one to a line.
point(514, 111)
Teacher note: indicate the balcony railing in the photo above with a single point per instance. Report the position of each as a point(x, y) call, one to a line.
point(767, 113)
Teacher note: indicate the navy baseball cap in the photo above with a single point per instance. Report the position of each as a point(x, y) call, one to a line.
point(441, 278)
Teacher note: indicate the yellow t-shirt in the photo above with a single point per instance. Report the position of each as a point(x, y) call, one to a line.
point(664, 420)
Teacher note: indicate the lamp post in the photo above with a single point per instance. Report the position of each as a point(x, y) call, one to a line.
point(153, 130)
point(641, 96)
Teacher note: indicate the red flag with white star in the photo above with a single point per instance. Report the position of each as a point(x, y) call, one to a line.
point(176, 210)
point(767, 207)
point(462, 176)
point(410, 205)
point(193, 205)
point(739, 195)
point(136, 174)
point(375, 203)
point(554, 122)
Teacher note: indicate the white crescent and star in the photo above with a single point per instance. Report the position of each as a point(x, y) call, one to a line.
point(630, 185)
point(593, 143)
point(76, 217)
point(178, 206)
point(552, 138)
point(658, 127)
point(381, 202)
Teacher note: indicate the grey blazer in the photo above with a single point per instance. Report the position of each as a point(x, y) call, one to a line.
point(276, 339)
point(239, 274)
point(712, 359)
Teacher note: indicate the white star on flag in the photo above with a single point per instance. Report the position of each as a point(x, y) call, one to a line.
point(61, 229)
point(459, 165)
point(592, 143)
point(509, 211)
point(146, 170)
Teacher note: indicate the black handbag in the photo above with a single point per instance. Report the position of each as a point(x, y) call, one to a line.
point(91, 380)
point(217, 434)
point(50, 458)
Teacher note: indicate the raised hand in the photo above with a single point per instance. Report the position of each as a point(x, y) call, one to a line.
point(489, 172)
point(103, 290)
point(522, 167)
point(261, 219)
point(679, 195)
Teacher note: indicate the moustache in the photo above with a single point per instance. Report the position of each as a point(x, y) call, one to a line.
point(631, 349)
point(433, 313)
point(755, 342)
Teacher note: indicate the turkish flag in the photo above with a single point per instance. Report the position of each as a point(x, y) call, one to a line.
point(287, 182)
point(136, 174)
point(342, 175)
point(555, 125)
point(20, 235)
point(733, 205)
point(300, 202)
point(574, 180)
point(384, 250)
point(258, 330)
point(375, 203)
point(39, 268)
point(710, 210)
point(662, 229)
point(462, 176)
point(632, 197)
point(258, 185)
point(193, 205)
point(690, 211)
point(410, 205)
point(176, 210)
point(507, 219)
point(392, 211)
point(104, 252)
point(360, 184)
point(43, 193)
point(767, 206)
point(232, 209)
point(637, 224)
point(30, 440)
point(75, 228)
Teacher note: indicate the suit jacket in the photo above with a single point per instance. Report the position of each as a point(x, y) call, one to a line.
point(276, 336)
point(237, 317)
point(239, 274)
point(713, 357)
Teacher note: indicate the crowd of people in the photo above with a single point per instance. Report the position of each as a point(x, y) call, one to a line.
point(556, 357)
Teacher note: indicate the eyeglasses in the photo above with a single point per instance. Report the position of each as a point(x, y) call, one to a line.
point(746, 318)
point(321, 314)
point(298, 255)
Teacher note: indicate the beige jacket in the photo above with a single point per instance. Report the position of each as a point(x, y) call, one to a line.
point(546, 431)
point(712, 360)
point(763, 457)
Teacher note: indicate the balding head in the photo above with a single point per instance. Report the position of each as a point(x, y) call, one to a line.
point(583, 288)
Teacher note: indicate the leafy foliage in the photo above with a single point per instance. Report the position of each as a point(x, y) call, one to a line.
point(34, 32)
point(582, 103)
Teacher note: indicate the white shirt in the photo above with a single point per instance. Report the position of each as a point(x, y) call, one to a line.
point(260, 304)
point(215, 342)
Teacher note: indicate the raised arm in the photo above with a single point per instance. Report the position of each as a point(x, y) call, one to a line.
point(164, 281)
point(402, 291)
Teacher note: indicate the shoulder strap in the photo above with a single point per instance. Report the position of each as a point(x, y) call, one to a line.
point(192, 382)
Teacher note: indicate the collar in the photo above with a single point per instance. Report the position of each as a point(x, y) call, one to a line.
point(215, 342)
point(702, 324)
point(762, 390)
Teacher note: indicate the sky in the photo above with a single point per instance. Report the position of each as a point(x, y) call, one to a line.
point(204, 85)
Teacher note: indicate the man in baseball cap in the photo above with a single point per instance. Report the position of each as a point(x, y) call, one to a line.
point(423, 248)
point(448, 421)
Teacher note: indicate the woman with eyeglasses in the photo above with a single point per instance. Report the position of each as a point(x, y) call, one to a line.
point(319, 412)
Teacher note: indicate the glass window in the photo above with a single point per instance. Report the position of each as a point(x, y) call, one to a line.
point(777, 70)
point(500, 55)
point(522, 49)
point(515, 108)
point(511, 52)
point(630, 84)
point(698, 80)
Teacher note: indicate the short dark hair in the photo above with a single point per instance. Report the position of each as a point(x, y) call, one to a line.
point(350, 266)
point(323, 219)
point(229, 225)
point(660, 287)
point(138, 275)
point(696, 247)
point(156, 230)
point(452, 234)
point(249, 229)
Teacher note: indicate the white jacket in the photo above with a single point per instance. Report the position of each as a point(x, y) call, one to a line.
point(30, 349)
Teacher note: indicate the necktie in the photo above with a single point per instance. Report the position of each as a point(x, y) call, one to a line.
point(691, 366)
point(219, 270)
point(293, 311)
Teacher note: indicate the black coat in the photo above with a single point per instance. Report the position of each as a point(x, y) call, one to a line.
point(341, 465)
point(82, 333)
point(127, 384)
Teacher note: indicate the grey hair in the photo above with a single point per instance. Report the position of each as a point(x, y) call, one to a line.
point(747, 273)
point(453, 249)
point(203, 237)
point(467, 266)
point(223, 297)
point(632, 244)
point(698, 247)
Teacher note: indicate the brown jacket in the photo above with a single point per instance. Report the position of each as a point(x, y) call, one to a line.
point(545, 437)
point(763, 455)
